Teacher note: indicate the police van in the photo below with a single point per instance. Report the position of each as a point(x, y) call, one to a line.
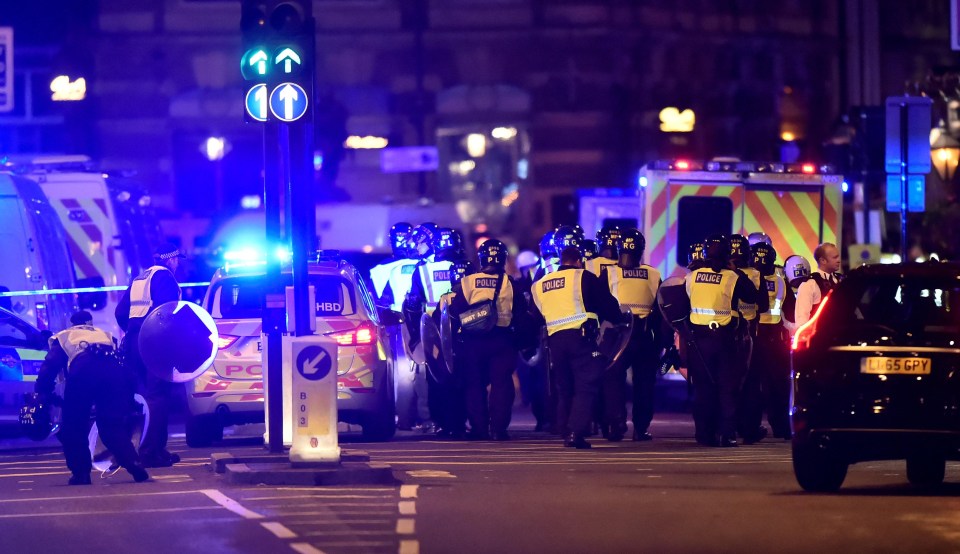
point(231, 391)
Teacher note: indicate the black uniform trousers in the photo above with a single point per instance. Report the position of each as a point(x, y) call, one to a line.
point(447, 398)
point(96, 380)
point(576, 368)
point(716, 380)
point(158, 394)
point(489, 359)
point(750, 401)
point(771, 361)
point(643, 357)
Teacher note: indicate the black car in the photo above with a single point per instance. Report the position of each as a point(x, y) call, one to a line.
point(876, 375)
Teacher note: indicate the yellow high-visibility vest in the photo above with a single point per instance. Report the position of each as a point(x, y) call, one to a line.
point(597, 264)
point(140, 301)
point(711, 296)
point(559, 298)
point(480, 287)
point(76, 339)
point(749, 311)
point(635, 288)
point(776, 289)
point(435, 278)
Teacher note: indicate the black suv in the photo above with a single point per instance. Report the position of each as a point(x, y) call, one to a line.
point(876, 375)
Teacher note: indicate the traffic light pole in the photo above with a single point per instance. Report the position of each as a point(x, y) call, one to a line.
point(273, 313)
point(302, 218)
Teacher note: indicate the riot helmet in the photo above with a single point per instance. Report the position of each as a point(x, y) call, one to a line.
point(607, 239)
point(589, 249)
point(716, 249)
point(448, 244)
point(422, 240)
point(796, 267)
point(460, 269)
point(695, 252)
point(759, 236)
point(631, 246)
point(579, 231)
point(547, 249)
point(566, 236)
point(739, 251)
point(492, 254)
point(764, 257)
point(400, 239)
point(526, 259)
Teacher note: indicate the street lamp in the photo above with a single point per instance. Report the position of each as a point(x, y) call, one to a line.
point(944, 152)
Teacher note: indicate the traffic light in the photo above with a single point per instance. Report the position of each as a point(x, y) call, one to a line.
point(278, 59)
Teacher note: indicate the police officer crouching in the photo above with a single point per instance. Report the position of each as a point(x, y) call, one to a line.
point(715, 291)
point(87, 355)
point(487, 305)
point(635, 286)
point(571, 302)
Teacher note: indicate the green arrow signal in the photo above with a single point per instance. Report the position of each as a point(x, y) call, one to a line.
point(288, 57)
point(259, 59)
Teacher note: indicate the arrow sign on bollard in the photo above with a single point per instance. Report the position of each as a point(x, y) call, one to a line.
point(288, 102)
point(314, 363)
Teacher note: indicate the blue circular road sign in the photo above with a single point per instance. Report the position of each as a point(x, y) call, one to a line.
point(256, 102)
point(314, 363)
point(288, 102)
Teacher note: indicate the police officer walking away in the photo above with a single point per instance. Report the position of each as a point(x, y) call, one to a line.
point(489, 349)
point(750, 411)
point(155, 286)
point(715, 291)
point(571, 302)
point(608, 240)
point(448, 399)
point(635, 286)
point(771, 351)
point(94, 379)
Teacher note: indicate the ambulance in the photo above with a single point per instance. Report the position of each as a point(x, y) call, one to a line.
point(109, 229)
point(680, 202)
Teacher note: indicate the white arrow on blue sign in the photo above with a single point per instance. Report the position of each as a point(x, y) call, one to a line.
point(314, 363)
point(288, 102)
point(257, 102)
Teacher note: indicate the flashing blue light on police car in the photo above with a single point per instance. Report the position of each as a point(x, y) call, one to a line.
point(284, 254)
point(844, 186)
point(242, 255)
point(643, 181)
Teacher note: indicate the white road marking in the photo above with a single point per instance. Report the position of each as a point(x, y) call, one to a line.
point(301, 496)
point(407, 507)
point(405, 526)
point(340, 513)
point(37, 474)
point(278, 529)
point(429, 472)
point(305, 548)
point(230, 504)
point(408, 491)
point(409, 547)
point(106, 512)
point(97, 496)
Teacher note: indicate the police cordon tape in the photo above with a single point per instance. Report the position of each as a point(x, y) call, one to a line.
point(45, 292)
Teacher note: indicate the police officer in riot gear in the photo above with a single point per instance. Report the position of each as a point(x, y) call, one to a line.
point(381, 274)
point(448, 400)
point(567, 236)
point(571, 302)
point(771, 350)
point(94, 379)
point(155, 286)
point(449, 245)
point(696, 257)
point(634, 285)
point(489, 354)
point(590, 250)
point(750, 410)
point(715, 291)
point(549, 256)
point(608, 240)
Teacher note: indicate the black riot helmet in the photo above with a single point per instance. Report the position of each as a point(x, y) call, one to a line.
point(422, 240)
point(631, 246)
point(589, 249)
point(492, 254)
point(460, 269)
point(579, 231)
point(695, 252)
point(607, 240)
point(400, 239)
point(739, 251)
point(566, 236)
point(547, 250)
point(764, 257)
point(448, 244)
point(716, 249)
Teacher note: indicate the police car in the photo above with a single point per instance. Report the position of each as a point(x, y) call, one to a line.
point(876, 375)
point(22, 349)
point(231, 391)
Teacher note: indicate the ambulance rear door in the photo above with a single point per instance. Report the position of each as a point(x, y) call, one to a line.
point(798, 211)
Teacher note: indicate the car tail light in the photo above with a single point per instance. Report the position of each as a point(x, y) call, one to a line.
point(226, 341)
point(808, 168)
point(801, 339)
point(363, 334)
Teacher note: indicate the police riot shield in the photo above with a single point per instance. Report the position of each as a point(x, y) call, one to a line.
point(415, 353)
point(102, 459)
point(614, 337)
point(447, 337)
point(178, 341)
point(437, 363)
point(673, 300)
